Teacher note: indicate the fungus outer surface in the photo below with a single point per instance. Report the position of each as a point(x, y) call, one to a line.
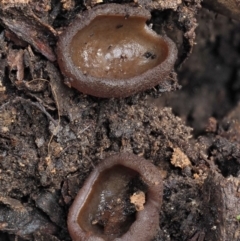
point(104, 188)
point(110, 52)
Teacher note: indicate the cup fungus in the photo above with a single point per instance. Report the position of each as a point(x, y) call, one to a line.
point(99, 212)
point(109, 51)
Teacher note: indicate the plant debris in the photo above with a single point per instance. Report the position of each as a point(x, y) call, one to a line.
point(52, 137)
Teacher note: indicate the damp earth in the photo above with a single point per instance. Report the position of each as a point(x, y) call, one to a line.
point(52, 137)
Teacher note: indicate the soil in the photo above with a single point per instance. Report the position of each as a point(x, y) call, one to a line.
point(52, 136)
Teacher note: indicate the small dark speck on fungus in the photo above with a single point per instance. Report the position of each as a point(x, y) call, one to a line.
point(106, 54)
point(99, 212)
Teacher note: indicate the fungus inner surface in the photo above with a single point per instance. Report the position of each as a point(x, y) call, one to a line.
point(117, 47)
point(107, 211)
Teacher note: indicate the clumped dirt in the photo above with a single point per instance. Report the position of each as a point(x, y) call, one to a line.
point(51, 137)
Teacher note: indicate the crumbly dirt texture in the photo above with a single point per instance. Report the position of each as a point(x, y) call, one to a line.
point(52, 137)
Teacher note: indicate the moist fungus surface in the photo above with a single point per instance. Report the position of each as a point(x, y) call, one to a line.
point(129, 51)
point(111, 52)
point(105, 207)
point(102, 209)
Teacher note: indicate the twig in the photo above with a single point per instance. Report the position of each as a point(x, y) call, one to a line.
point(4, 105)
point(58, 123)
point(37, 104)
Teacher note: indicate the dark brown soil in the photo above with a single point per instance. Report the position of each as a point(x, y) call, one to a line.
point(52, 137)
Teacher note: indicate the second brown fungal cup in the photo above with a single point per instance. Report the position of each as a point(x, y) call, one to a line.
point(110, 52)
point(102, 211)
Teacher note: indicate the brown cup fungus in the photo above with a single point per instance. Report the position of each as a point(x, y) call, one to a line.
point(109, 51)
point(101, 210)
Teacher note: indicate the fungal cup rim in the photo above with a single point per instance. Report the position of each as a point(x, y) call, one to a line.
point(150, 176)
point(106, 87)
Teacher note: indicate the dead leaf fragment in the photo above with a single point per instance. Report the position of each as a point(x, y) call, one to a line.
point(138, 199)
point(29, 28)
point(15, 62)
point(68, 4)
point(92, 3)
point(14, 2)
point(13, 203)
point(179, 159)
